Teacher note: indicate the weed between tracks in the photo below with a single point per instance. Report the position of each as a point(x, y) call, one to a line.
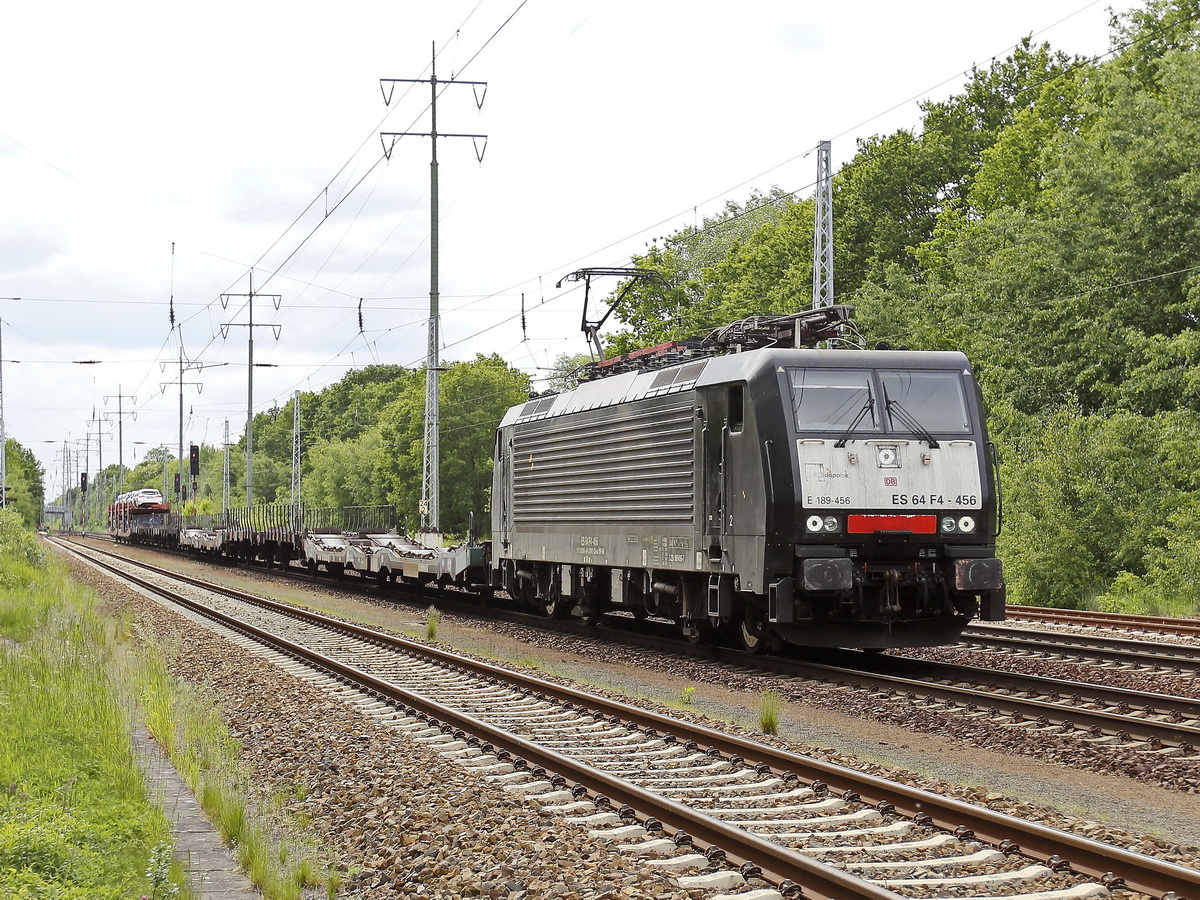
point(770, 704)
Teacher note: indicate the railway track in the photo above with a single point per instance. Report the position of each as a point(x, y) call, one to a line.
point(1119, 621)
point(1167, 658)
point(719, 811)
point(1137, 720)
point(1156, 657)
point(1116, 723)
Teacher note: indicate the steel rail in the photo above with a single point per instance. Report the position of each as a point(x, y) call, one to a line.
point(1109, 723)
point(1077, 691)
point(1161, 624)
point(1113, 649)
point(1087, 857)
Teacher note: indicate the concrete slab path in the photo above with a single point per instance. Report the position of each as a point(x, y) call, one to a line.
point(213, 873)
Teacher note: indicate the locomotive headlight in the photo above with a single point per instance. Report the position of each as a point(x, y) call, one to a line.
point(966, 524)
point(888, 457)
point(831, 523)
point(948, 525)
point(815, 523)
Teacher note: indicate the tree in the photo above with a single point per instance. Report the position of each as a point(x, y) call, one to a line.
point(342, 473)
point(1090, 498)
point(474, 397)
point(885, 203)
point(25, 487)
point(564, 373)
point(346, 409)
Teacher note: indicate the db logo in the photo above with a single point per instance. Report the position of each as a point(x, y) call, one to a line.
point(891, 482)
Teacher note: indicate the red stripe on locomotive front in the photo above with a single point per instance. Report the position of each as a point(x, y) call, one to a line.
point(860, 524)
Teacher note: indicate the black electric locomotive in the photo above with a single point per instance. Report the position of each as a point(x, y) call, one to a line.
point(819, 497)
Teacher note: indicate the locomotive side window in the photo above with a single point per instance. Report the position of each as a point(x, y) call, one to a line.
point(934, 399)
point(833, 400)
point(737, 414)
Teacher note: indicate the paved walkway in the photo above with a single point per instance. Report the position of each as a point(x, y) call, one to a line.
point(213, 873)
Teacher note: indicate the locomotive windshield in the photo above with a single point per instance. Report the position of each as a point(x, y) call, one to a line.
point(933, 399)
point(833, 400)
point(896, 401)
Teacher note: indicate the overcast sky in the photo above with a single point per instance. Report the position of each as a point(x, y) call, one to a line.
point(245, 135)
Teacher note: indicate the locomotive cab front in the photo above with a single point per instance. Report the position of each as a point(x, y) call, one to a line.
point(895, 500)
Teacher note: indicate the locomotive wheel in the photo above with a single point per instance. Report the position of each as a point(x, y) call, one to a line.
point(752, 630)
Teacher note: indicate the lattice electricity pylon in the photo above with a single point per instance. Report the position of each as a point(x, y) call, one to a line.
point(296, 463)
point(823, 231)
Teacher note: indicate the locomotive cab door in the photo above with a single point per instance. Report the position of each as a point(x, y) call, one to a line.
point(713, 493)
point(502, 491)
point(723, 414)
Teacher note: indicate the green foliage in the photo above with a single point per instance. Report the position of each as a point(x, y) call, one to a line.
point(683, 303)
point(22, 556)
point(25, 483)
point(1105, 488)
point(342, 473)
point(1172, 564)
point(886, 203)
point(770, 272)
point(563, 375)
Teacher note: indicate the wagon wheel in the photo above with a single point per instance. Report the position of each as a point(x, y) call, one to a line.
point(699, 633)
point(552, 604)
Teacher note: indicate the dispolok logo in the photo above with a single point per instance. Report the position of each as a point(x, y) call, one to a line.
point(891, 482)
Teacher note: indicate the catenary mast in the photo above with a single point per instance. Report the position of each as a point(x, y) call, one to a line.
point(822, 292)
point(430, 466)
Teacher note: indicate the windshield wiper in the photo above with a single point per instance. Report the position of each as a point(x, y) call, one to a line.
point(866, 408)
point(905, 418)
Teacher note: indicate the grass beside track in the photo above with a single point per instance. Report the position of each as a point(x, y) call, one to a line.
point(266, 841)
point(76, 820)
